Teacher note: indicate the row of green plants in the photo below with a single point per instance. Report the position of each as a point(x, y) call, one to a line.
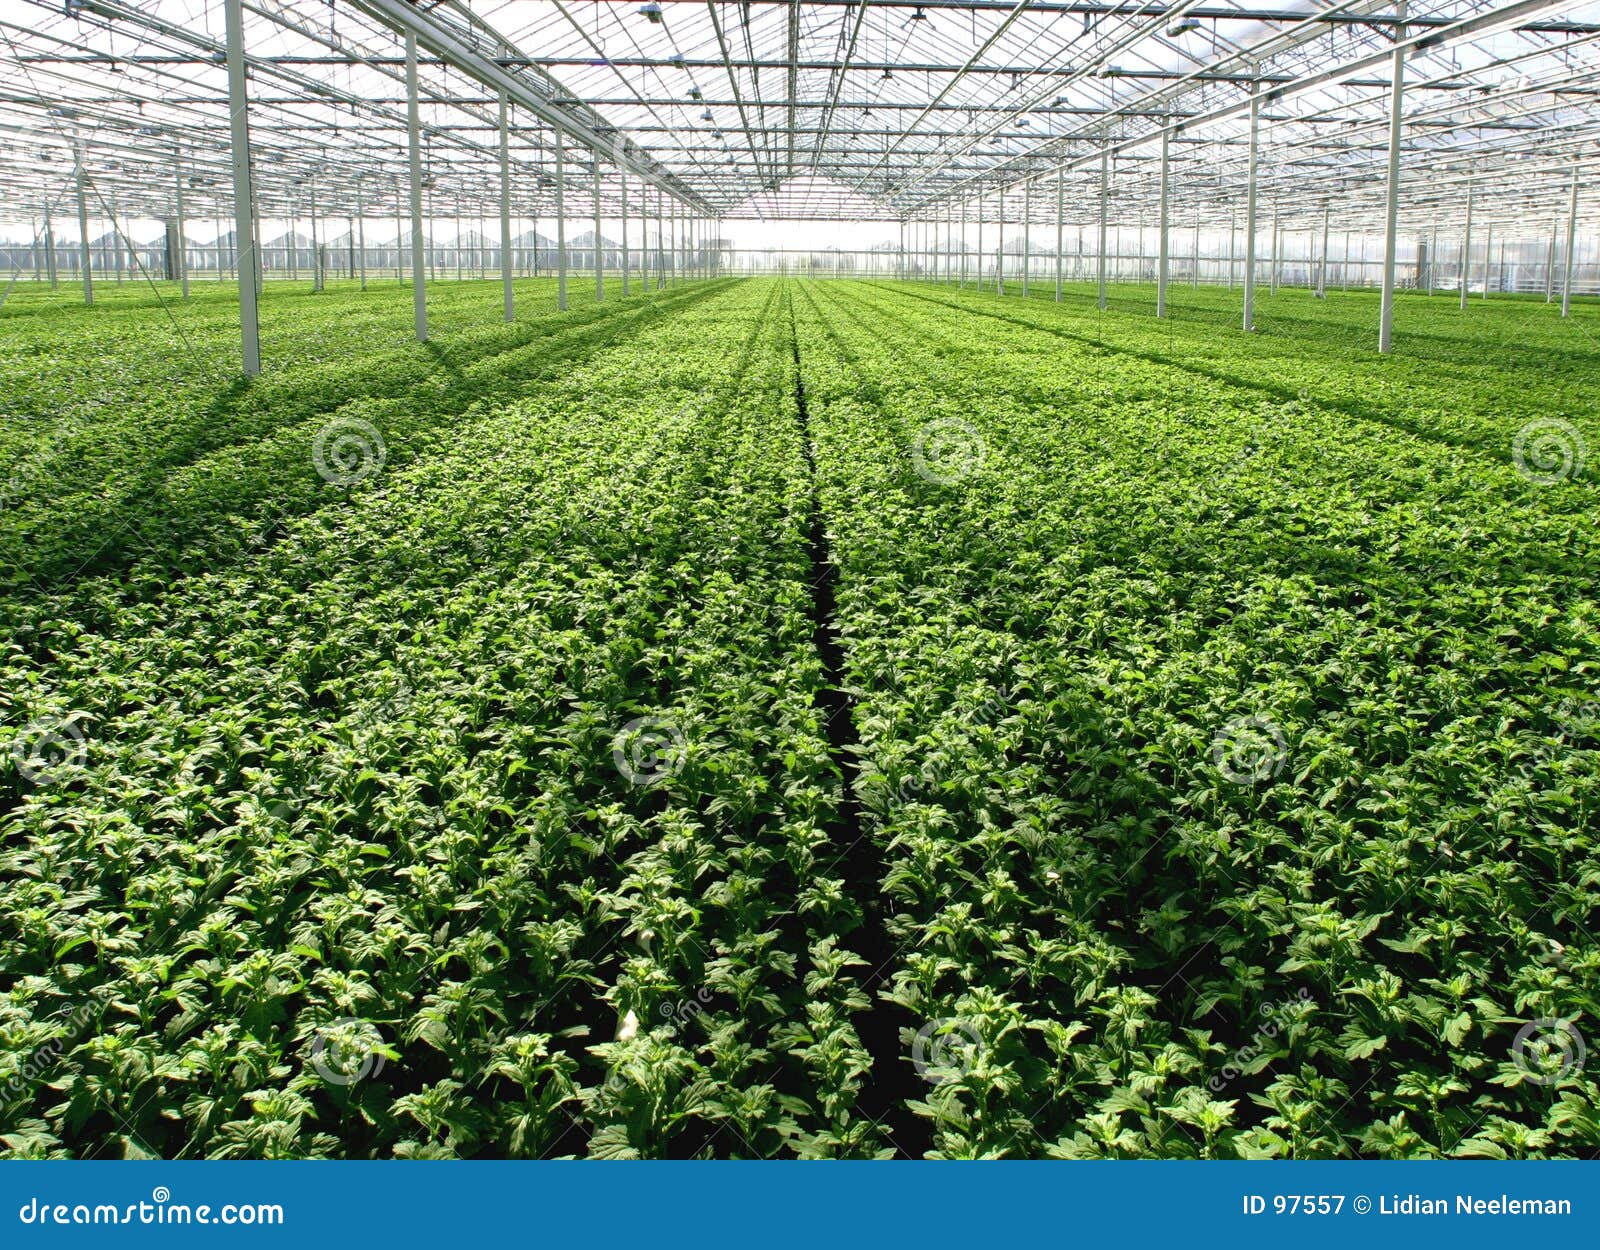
point(1228, 750)
point(151, 476)
point(486, 812)
point(444, 753)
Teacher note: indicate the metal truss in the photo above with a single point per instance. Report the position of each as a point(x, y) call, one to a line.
point(887, 110)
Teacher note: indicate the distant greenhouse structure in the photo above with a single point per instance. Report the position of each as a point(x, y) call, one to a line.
point(1446, 146)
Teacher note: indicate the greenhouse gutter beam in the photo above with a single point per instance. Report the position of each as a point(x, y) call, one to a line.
point(447, 45)
point(1211, 14)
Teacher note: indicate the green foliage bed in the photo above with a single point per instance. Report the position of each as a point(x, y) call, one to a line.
point(776, 718)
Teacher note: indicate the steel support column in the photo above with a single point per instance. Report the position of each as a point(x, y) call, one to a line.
point(1250, 210)
point(1027, 233)
point(1322, 261)
point(1391, 218)
point(1105, 197)
point(506, 259)
point(1161, 250)
point(561, 219)
point(181, 257)
point(86, 256)
point(1572, 245)
point(1061, 218)
point(1277, 249)
point(625, 256)
point(244, 238)
point(599, 251)
point(50, 247)
point(419, 296)
point(1549, 258)
point(1000, 242)
point(318, 278)
point(1488, 255)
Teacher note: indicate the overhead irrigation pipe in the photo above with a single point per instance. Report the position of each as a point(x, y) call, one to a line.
point(998, 32)
point(595, 120)
point(458, 52)
point(738, 96)
point(119, 13)
point(1059, 83)
point(1481, 26)
point(836, 81)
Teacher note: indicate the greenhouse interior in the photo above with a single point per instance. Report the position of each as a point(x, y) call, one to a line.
point(799, 579)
